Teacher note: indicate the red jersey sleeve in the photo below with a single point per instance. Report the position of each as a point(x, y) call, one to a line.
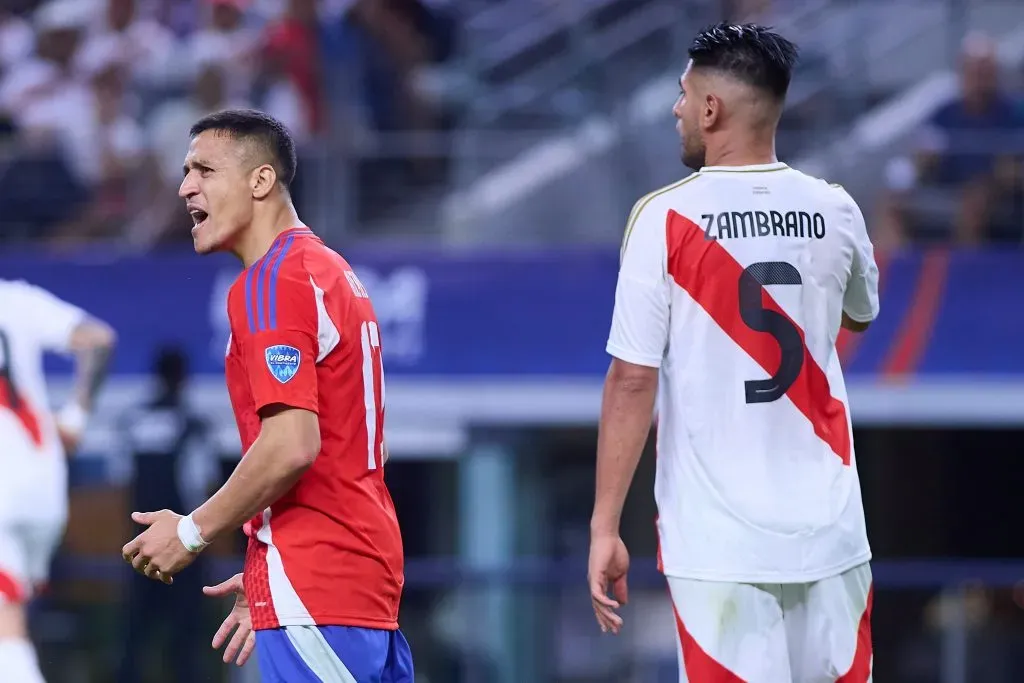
point(280, 345)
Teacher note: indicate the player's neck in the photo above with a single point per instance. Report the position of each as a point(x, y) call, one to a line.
point(255, 242)
point(747, 153)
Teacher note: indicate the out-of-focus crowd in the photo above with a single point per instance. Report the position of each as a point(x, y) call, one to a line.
point(97, 96)
point(963, 181)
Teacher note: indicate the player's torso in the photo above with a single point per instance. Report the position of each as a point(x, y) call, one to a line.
point(336, 530)
point(754, 437)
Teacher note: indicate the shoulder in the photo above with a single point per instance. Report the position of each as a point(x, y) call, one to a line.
point(274, 290)
point(652, 207)
point(654, 202)
point(20, 291)
point(844, 201)
point(15, 286)
point(826, 191)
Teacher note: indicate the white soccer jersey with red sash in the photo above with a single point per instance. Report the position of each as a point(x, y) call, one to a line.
point(733, 282)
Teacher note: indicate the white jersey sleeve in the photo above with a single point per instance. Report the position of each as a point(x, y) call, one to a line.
point(49, 319)
point(860, 301)
point(640, 322)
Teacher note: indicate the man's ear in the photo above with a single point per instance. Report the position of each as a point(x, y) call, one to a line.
point(711, 113)
point(264, 178)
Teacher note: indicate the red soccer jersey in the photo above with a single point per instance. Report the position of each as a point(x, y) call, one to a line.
point(304, 334)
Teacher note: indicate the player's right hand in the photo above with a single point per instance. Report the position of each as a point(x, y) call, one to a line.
point(244, 640)
point(609, 563)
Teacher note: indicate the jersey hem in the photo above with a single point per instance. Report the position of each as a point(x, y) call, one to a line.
point(861, 318)
point(630, 357)
point(329, 620)
point(289, 403)
point(767, 577)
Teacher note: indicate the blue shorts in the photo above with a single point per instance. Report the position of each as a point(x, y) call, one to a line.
point(333, 654)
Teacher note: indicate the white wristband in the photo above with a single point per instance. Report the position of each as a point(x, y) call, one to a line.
point(188, 534)
point(72, 417)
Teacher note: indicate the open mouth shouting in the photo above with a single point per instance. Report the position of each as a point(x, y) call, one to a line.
point(199, 216)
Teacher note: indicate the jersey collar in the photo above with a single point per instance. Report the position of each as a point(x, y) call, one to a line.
point(290, 233)
point(753, 168)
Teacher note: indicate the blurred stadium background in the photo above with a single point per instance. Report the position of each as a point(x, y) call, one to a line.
point(476, 160)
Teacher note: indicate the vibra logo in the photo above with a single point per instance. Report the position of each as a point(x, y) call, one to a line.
point(282, 361)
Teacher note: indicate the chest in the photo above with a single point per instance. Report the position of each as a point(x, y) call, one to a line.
point(236, 376)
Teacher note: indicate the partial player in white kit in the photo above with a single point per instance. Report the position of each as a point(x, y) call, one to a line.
point(733, 286)
point(33, 442)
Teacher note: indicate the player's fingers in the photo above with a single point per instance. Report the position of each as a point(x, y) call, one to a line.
point(140, 562)
point(620, 590)
point(607, 619)
point(605, 611)
point(144, 517)
point(130, 549)
point(224, 631)
point(599, 593)
point(610, 621)
point(223, 588)
point(250, 645)
point(235, 646)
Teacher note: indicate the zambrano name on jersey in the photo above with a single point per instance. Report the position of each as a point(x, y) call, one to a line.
point(739, 224)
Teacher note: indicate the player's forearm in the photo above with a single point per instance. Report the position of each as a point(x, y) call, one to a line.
point(265, 474)
point(92, 342)
point(626, 411)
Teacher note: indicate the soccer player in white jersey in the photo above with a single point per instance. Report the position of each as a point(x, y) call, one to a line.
point(733, 286)
point(33, 444)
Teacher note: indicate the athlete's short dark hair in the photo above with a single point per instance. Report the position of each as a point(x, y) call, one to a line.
point(750, 53)
point(260, 129)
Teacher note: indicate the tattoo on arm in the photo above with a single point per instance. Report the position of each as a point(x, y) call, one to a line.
point(93, 364)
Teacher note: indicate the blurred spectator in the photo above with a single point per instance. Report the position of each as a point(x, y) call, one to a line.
point(106, 148)
point(404, 37)
point(291, 70)
point(16, 37)
point(43, 91)
point(229, 40)
point(44, 98)
point(993, 643)
point(167, 135)
point(963, 181)
point(142, 45)
point(159, 435)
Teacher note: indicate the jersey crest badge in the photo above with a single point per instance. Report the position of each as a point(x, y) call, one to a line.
point(282, 361)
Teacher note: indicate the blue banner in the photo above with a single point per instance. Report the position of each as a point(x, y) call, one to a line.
point(534, 313)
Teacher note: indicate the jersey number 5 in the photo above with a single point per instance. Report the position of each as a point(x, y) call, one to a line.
point(752, 282)
point(373, 377)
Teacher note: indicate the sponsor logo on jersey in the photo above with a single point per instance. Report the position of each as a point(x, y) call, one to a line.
point(282, 361)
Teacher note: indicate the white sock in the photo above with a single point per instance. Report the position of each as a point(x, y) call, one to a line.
point(18, 661)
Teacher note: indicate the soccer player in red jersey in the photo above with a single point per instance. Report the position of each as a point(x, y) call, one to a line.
point(319, 595)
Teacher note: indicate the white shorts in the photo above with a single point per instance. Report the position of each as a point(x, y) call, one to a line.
point(775, 633)
point(26, 549)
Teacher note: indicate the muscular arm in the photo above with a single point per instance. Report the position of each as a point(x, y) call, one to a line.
point(626, 411)
point(92, 343)
point(287, 446)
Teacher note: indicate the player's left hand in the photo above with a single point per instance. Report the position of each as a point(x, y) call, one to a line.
point(158, 552)
point(608, 565)
point(69, 440)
